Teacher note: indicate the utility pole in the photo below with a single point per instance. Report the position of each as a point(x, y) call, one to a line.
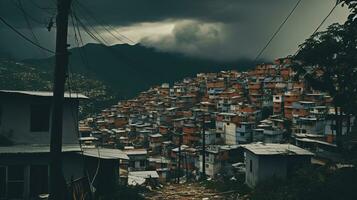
point(179, 158)
point(57, 186)
point(204, 148)
point(186, 164)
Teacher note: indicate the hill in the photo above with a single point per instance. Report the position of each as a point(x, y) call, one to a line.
point(129, 69)
point(20, 76)
point(108, 74)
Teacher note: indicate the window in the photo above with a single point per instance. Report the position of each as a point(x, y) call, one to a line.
point(15, 181)
point(0, 116)
point(40, 117)
point(142, 163)
point(251, 166)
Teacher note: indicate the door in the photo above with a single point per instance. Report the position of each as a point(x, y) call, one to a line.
point(38, 180)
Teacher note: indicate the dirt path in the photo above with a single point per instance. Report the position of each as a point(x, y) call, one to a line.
point(187, 191)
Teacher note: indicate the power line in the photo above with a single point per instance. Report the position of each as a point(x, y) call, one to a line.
point(79, 41)
point(97, 21)
point(28, 23)
point(277, 31)
point(98, 38)
point(24, 37)
point(44, 8)
point(88, 31)
point(320, 25)
point(26, 14)
point(100, 21)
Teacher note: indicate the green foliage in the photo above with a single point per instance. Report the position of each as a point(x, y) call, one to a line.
point(328, 61)
point(311, 183)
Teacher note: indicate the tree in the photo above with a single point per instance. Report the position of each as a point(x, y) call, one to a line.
point(328, 62)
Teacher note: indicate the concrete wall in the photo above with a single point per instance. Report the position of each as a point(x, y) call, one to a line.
point(264, 167)
point(15, 122)
point(230, 133)
point(72, 165)
point(251, 176)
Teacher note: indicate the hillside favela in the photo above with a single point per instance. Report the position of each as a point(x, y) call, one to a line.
point(201, 100)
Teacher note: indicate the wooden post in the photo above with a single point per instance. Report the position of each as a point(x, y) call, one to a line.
point(58, 188)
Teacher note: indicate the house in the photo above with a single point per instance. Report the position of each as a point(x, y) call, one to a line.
point(240, 133)
point(269, 131)
point(24, 158)
point(155, 143)
point(264, 161)
point(212, 137)
point(86, 137)
point(218, 158)
point(137, 159)
point(161, 165)
point(309, 125)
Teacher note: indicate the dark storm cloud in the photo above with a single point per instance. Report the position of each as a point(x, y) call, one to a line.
point(220, 29)
point(245, 37)
point(119, 12)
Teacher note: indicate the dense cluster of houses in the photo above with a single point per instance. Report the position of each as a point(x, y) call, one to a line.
point(202, 126)
point(263, 123)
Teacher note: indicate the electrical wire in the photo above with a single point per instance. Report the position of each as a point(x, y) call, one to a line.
point(91, 182)
point(277, 31)
point(79, 42)
point(97, 21)
point(26, 14)
point(320, 25)
point(24, 37)
point(100, 21)
point(87, 30)
point(28, 23)
point(90, 29)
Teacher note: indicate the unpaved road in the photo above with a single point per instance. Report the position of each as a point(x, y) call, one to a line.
point(188, 191)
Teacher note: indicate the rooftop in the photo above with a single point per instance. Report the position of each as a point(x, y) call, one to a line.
point(43, 94)
point(276, 149)
point(145, 174)
point(135, 151)
point(105, 153)
point(26, 149)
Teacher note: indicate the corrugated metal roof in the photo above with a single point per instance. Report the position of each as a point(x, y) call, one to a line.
point(105, 153)
point(276, 149)
point(135, 151)
point(144, 174)
point(44, 94)
point(27, 149)
point(155, 135)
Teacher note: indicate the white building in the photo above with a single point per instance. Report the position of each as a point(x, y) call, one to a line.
point(238, 134)
point(264, 161)
point(25, 136)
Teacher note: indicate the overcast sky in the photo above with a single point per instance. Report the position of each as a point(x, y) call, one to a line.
point(215, 29)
